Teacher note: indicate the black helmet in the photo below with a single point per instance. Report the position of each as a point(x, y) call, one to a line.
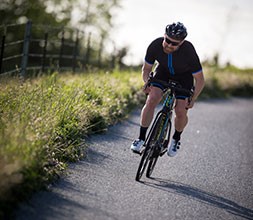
point(176, 31)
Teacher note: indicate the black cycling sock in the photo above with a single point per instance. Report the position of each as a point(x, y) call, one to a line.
point(143, 132)
point(177, 135)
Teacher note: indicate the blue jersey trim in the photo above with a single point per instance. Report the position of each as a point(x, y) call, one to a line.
point(157, 85)
point(197, 71)
point(181, 97)
point(172, 72)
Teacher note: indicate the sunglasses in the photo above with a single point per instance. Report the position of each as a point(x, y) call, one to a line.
point(168, 41)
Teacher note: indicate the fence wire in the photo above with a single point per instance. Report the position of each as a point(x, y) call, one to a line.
point(35, 48)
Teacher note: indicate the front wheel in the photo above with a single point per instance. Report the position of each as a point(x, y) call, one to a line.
point(160, 132)
point(150, 152)
point(144, 161)
point(152, 163)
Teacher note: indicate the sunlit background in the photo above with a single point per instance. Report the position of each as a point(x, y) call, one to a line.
point(223, 27)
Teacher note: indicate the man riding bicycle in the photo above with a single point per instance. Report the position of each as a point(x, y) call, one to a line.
point(176, 60)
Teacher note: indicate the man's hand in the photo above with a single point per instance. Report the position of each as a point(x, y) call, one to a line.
point(146, 88)
point(189, 103)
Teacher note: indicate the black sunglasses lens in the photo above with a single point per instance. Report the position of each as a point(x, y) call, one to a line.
point(168, 41)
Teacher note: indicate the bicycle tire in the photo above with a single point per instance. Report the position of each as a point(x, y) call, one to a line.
point(151, 166)
point(143, 163)
point(149, 149)
point(156, 153)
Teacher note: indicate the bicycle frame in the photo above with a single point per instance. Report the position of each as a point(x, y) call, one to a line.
point(167, 108)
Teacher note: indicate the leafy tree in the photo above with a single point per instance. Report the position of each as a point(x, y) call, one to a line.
point(19, 11)
point(90, 15)
point(95, 17)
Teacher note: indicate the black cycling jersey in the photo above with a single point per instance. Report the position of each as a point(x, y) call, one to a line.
point(179, 65)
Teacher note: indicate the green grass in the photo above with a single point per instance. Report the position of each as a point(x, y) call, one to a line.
point(227, 82)
point(43, 124)
point(44, 121)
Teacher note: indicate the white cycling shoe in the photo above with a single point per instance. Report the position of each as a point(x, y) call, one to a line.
point(173, 148)
point(137, 145)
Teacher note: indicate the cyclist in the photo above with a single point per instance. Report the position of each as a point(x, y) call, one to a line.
point(175, 59)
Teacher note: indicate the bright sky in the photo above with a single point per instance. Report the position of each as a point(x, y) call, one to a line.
point(214, 26)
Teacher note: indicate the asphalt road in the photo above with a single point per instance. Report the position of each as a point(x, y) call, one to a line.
point(210, 178)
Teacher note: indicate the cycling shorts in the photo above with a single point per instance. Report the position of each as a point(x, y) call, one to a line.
point(186, 81)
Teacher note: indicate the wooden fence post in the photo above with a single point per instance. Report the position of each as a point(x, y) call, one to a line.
point(75, 52)
point(100, 52)
point(87, 58)
point(43, 62)
point(2, 53)
point(61, 51)
point(25, 54)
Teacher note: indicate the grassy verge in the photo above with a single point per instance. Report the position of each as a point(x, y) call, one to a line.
point(224, 83)
point(44, 122)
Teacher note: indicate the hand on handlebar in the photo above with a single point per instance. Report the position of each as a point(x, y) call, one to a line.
point(146, 88)
point(190, 100)
point(189, 103)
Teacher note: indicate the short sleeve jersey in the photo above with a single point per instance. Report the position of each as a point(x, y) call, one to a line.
point(183, 61)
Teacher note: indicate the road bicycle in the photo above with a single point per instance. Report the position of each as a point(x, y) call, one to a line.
point(159, 135)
